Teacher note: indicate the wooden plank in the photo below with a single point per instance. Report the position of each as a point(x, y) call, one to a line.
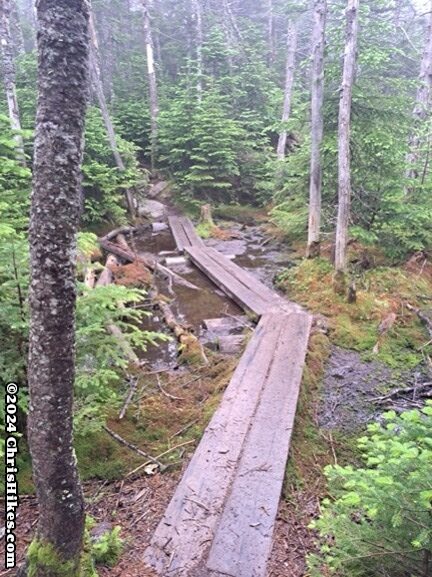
point(187, 528)
point(184, 233)
point(238, 291)
point(222, 326)
point(242, 543)
point(178, 233)
point(254, 284)
point(191, 233)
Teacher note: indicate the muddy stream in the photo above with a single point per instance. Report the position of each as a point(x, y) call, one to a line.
point(252, 250)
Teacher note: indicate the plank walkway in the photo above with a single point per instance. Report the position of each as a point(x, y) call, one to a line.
point(221, 518)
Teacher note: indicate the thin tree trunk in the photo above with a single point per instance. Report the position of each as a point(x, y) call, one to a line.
point(289, 82)
point(270, 34)
point(153, 91)
point(317, 99)
point(9, 75)
point(344, 177)
point(197, 11)
point(16, 30)
point(422, 107)
point(100, 94)
point(63, 46)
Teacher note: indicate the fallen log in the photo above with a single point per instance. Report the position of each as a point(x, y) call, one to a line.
point(152, 264)
point(106, 278)
point(125, 230)
point(191, 350)
point(423, 317)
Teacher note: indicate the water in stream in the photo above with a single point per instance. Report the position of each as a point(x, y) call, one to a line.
point(251, 250)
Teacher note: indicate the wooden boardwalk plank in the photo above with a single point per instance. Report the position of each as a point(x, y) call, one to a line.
point(239, 291)
point(187, 528)
point(184, 233)
point(254, 284)
point(243, 540)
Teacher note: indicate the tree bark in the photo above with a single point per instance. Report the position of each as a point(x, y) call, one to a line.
point(317, 99)
point(97, 85)
point(422, 107)
point(153, 91)
point(289, 82)
point(344, 177)
point(9, 74)
point(270, 34)
point(197, 11)
point(63, 51)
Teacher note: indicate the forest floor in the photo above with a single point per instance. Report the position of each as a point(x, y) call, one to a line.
point(351, 362)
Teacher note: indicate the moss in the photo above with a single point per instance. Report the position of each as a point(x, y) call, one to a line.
point(381, 291)
point(44, 560)
point(205, 229)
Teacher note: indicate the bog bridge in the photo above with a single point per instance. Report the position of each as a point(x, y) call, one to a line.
point(221, 518)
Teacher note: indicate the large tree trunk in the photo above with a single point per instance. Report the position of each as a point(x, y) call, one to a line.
point(344, 178)
point(197, 11)
point(9, 74)
point(317, 99)
point(63, 45)
point(153, 91)
point(422, 107)
point(100, 94)
point(289, 82)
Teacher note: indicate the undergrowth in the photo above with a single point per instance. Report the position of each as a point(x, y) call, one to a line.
point(380, 292)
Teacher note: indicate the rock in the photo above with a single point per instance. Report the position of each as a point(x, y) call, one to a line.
point(99, 531)
point(157, 188)
point(223, 326)
point(231, 345)
point(152, 209)
point(175, 260)
point(159, 227)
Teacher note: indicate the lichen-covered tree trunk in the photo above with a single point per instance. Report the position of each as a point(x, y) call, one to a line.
point(317, 98)
point(153, 90)
point(289, 82)
point(8, 70)
point(344, 175)
point(63, 86)
point(96, 80)
point(422, 107)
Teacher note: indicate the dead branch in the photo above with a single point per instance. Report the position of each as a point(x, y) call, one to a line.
point(423, 317)
point(132, 390)
point(165, 393)
point(133, 447)
point(160, 456)
point(151, 263)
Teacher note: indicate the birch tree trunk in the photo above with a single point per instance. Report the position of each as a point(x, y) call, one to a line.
point(97, 85)
point(422, 107)
point(153, 91)
point(197, 11)
point(63, 48)
point(289, 82)
point(344, 177)
point(317, 99)
point(9, 75)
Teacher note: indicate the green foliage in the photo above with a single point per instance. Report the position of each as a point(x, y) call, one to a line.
point(108, 549)
point(100, 357)
point(378, 518)
point(104, 184)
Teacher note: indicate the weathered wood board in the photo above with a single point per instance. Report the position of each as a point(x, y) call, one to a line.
point(184, 233)
point(187, 528)
point(220, 521)
point(243, 540)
